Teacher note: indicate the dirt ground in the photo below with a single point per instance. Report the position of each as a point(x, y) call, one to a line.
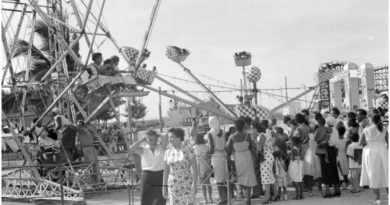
point(121, 197)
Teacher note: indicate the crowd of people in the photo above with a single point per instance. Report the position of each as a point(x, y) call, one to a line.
point(262, 158)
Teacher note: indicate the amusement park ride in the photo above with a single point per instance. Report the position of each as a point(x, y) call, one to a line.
point(60, 82)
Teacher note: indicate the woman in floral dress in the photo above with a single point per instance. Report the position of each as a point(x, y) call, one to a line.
point(179, 183)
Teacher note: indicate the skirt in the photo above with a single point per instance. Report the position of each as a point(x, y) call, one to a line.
point(295, 171)
point(375, 162)
point(151, 188)
point(329, 169)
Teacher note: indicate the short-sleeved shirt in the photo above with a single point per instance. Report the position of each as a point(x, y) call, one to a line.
point(152, 161)
point(184, 154)
point(351, 152)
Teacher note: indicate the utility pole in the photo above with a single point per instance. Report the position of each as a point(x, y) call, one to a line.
point(159, 109)
point(285, 83)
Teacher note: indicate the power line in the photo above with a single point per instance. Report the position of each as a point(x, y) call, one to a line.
point(231, 88)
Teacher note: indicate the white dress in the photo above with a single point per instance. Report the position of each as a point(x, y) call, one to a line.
point(342, 158)
point(311, 162)
point(375, 169)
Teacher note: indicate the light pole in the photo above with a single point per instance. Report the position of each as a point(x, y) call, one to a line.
point(304, 87)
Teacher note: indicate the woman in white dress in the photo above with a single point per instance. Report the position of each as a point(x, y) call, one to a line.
point(375, 157)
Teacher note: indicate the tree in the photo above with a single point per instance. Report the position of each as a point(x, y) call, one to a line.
point(42, 58)
point(138, 110)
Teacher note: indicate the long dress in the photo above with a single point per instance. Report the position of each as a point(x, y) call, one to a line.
point(244, 164)
point(342, 159)
point(375, 172)
point(267, 175)
point(180, 178)
point(202, 158)
point(311, 161)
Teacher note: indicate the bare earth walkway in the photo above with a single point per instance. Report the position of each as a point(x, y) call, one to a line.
point(121, 197)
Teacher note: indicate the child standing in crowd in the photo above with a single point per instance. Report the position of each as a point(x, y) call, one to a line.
point(295, 169)
point(203, 158)
point(354, 161)
point(280, 155)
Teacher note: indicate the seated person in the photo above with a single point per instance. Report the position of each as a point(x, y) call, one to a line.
point(48, 146)
point(94, 67)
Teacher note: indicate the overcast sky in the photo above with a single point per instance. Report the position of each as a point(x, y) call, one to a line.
point(286, 38)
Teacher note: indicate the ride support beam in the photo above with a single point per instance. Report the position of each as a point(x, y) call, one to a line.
point(79, 21)
point(57, 35)
point(22, 148)
point(59, 97)
point(11, 17)
point(292, 99)
point(29, 64)
point(147, 33)
point(13, 45)
point(200, 106)
point(71, 45)
point(178, 88)
point(213, 96)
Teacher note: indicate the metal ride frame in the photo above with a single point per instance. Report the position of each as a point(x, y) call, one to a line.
point(26, 182)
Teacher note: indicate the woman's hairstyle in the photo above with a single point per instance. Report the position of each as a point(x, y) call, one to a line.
point(336, 111)
point(305, 112)
point(239, 124)
point(256, 125)
point(279, 130)
point(341, 131)
point(354, 137)
point(200, 139)
point(286, 119)
point(95, 56)
point(352, 123)
point(293, 122)
point(351, 115)
point(178, 132)
point(114, 59)
point(321, 121)
point(317, 116)
point(299, 118)
point(376, 119)
point(296, 141)
point(107, 61)
point(152, 132)
point(264, 124)
point(362, 112)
